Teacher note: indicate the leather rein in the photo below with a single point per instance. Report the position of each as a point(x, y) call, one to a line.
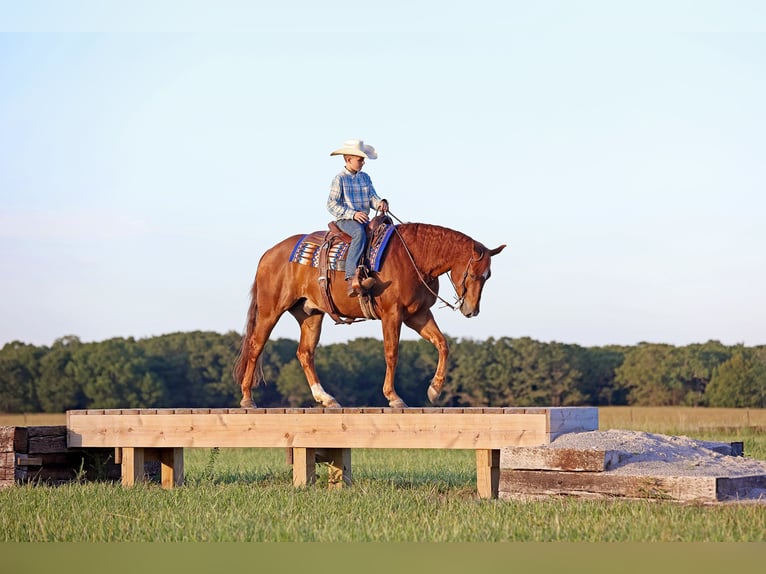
point(459, 299)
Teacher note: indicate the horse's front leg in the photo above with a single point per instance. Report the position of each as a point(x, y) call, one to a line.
point(392, 329)
point(311, 329)
point(425, 325)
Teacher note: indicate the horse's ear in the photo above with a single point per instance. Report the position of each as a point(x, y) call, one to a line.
point(496, 250)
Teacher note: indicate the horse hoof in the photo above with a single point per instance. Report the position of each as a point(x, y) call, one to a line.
point(433, 394)
point(247, 404)
point(397, 404)
point(333, 404)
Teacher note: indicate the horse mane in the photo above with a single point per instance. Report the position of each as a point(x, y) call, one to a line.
point(434, 246)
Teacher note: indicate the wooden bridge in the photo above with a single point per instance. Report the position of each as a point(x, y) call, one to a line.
point(320, 435)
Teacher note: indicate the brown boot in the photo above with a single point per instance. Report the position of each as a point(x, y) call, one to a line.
point(363, 279)
point(353, 286)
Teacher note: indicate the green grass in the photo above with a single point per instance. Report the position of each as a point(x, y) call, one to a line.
point(398, 496)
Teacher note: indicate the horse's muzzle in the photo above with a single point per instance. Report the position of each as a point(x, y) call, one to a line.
point(469, 311)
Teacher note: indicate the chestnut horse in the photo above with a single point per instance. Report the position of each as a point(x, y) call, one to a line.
point(406, 287)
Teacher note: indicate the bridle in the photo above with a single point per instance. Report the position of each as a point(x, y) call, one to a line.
point(459, 299)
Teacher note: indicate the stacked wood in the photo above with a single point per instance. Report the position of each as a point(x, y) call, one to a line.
point(531, 473)
point(40, 454)
point(7, 453)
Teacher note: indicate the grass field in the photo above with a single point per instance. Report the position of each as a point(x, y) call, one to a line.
point(398, 496)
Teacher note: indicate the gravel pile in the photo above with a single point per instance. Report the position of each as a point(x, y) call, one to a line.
point(642, 453)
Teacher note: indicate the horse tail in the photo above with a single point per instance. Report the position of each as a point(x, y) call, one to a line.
point(240, 367)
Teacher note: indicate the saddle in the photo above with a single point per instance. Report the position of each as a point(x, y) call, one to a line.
point(376, 234)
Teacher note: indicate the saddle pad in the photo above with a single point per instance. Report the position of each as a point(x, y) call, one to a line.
point(306, 250)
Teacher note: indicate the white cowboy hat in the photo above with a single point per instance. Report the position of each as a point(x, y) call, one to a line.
point(357, 148)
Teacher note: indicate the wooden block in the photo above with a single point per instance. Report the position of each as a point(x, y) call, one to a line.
point(132, 466)
point(525, 483)
point(564, 420)
point(46, 439)
point(53, 475)
point(487, 472)
point(7, 436)
point(304, 466)
point(339, 467)
point(172, 471)
point(13, 439)
point(567, 459)
point(7, 466)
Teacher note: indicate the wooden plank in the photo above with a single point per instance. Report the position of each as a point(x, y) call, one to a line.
point(565, 459)
point(369, 430)
point(523, 483)
point(487, 472)
point(26, 460)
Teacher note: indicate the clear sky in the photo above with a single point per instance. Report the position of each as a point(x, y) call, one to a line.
point(150, 152)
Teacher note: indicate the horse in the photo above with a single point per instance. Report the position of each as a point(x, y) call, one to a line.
point(406, 287)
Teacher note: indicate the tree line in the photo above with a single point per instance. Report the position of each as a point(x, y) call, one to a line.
point(194, 369)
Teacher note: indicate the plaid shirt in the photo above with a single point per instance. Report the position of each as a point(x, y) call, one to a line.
point(351, 192)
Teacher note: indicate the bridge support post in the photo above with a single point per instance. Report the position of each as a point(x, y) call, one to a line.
point(487, 472)
point(304, 466)
point(171, 465)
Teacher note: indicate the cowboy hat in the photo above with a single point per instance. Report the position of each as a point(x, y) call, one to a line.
point(357, 148)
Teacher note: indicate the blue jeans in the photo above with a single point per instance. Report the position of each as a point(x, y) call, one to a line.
point(358, 242)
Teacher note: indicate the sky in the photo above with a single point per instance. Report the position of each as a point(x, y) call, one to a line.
point(150, 152)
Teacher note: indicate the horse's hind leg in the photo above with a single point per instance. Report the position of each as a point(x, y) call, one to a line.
point(425, 325)
point(311, 329)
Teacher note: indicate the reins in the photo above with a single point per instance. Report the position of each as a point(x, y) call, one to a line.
point(458, 299)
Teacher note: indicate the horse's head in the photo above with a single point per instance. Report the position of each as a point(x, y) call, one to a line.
point(474, 276)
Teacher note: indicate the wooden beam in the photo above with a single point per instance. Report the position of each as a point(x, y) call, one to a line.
point(547, 458)
point(533, 483)
point(361, 430)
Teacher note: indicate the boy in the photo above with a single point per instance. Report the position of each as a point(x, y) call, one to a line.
point(351, 197)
